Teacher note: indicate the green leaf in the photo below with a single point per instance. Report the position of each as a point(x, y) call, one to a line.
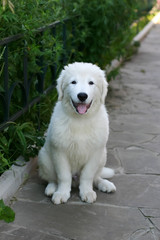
point(22, 140)
point(6, 213)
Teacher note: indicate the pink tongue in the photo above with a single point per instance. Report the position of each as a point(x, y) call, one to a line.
point(81, 108)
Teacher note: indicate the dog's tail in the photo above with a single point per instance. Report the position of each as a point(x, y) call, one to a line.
point(107, 173)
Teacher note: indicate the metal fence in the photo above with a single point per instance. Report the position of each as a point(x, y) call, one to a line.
point(9, 88)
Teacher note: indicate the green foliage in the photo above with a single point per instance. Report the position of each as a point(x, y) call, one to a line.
point(102, 30)
point(28, 15)
point(18, 139)
point(144, 6)
point(40, 48)
point(6, 213)
point(27, 135)
point(112, 74)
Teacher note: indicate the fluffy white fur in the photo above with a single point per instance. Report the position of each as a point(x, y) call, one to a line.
point(77, 136)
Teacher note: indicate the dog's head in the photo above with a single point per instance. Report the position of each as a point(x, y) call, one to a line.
point(82, 85)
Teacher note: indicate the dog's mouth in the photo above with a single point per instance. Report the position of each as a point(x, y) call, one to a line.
point(81, 108)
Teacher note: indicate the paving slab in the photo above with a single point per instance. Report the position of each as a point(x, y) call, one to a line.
point(138, 160)
point(133, 211)
point(134, 190)
point(77, 221)
point(126, 138)
point(153, 145)
point(136, 125)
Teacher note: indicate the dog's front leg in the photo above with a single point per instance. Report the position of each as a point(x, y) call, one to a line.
point(88, 173)
point(64, 179)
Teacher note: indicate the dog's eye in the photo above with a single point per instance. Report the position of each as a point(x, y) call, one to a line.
point(73, 82)
point(91, 83)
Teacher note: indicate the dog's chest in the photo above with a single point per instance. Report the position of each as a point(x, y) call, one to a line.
point(79, 138)
point(83, 138)
point(78, 135)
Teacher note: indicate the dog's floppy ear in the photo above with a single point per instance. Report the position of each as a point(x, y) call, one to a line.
point(60, 86)
point(104, 89)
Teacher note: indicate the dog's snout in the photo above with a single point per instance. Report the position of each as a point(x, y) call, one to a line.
point(82, 96)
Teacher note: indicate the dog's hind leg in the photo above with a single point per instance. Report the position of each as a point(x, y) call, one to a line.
point(107, 172)
point(104, 185)
point(47, 172)
point(46, 168)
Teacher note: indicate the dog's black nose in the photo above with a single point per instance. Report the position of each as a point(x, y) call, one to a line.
point(82, 96)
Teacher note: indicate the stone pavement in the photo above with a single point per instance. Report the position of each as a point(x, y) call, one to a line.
point(133, 212)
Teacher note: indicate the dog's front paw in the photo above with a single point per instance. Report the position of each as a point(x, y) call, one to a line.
point(88, 197)
point(60, 197)
point(106, 186)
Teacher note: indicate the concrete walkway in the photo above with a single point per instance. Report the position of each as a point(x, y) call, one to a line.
point(133, 212)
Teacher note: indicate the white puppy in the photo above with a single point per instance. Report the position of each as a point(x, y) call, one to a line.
point(77, 135)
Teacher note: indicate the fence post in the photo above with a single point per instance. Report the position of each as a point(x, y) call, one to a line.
point(6, 80)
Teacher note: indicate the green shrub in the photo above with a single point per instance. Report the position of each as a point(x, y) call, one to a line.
point(103, 28)
point(28, 15)
point(18, 139)
point(26, 136)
